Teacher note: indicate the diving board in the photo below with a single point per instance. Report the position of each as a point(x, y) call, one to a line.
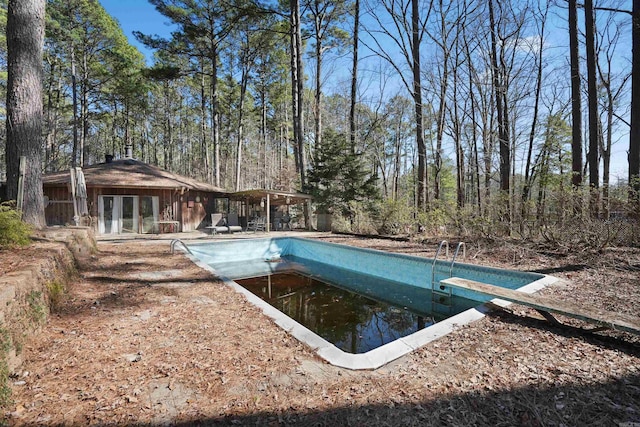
point(611, 320)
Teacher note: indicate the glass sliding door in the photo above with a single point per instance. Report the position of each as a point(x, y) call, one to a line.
point(108, 222)
point(120, 214)
point(149, 208)
point(129, 214)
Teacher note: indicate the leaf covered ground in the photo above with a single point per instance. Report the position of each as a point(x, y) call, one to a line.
point(148, 338)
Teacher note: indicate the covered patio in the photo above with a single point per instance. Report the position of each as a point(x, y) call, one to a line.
point(278, 210)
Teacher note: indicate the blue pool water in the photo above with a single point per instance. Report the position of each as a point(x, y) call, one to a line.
point(402, 280)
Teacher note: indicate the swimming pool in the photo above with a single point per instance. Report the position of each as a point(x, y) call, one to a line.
point(409, 276)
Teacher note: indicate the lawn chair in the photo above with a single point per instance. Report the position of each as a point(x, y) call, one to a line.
point(285, 222)
point(233, 223)
point(217, 224)
point(258, 224)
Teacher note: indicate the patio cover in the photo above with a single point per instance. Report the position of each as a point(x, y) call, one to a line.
point(271, 197)
point(274, 197)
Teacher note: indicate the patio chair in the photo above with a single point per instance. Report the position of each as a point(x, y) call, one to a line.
point(258, 224)
point(232, 222)
point(285, 222)
point(217, 224)
point(275, 220)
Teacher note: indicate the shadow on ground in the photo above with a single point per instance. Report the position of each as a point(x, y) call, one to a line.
point(612, 404)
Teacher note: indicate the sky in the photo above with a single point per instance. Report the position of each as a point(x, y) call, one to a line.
point(140, 15)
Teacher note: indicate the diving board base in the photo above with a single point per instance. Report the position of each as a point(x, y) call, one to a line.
point(608, 319)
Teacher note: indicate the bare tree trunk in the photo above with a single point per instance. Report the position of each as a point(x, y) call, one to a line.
point(474, 125)
point(592, 93)
point(215, 119)
point(74, 94)
point(528, 173)
point(501, 109)
point(263, 133)
point(634, 134)
point(442, 107)
point(208, 173)
point(25, 40)
point(576, 102)
point(297, 89)
point(84, 109)
point(317, 106)
point(166, 143)
point(354, 77)
point(49, 126)
point(396, 163)
point(240, 131)
point(423, 196)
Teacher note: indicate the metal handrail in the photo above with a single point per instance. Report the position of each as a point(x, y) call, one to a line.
point(455, 255)
point(174, 242)
point(433, 267)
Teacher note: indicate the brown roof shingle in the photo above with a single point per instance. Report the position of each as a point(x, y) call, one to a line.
point(130, 173)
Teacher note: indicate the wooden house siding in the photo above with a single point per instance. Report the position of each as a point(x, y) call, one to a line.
point(179, 198)
point(173, 206)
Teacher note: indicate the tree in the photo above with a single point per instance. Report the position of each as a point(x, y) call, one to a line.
point(203, 25)
point(416, 38)
point(338, 176)
point(576, 102)
point(406, 34)
point(634, 134)
point(444, 37)
point(297, 89)
point(325, 16)
point(248, 42)
point(354, 75)
point(611, 88)
point(25, 40)
point(90, 46)
point(592, 94)
point(500, 92)
point(270, 82)
point(536, 108)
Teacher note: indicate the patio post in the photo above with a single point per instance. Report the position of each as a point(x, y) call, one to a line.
point(268, 225)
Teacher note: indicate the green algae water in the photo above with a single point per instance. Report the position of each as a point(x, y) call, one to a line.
point(353, 322)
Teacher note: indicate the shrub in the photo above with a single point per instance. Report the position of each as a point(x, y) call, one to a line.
point(37, 307)
point(396, 217)
point(13, 232)
point(57, 291)
point(5, 347)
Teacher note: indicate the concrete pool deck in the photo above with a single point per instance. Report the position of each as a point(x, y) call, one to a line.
point(198, 235)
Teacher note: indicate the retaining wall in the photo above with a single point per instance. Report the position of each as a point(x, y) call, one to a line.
point(25, 294)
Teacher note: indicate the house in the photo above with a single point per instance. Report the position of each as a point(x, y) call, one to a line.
point(130, 196)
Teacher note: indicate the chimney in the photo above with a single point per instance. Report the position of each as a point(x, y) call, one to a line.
point(128, 151)
point(108, 158)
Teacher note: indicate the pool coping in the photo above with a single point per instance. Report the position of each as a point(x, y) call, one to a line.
point(384, 354)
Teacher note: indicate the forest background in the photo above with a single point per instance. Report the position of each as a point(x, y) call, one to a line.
point(398, 116)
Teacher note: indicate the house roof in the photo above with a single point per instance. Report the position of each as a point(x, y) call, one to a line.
point(130, 173)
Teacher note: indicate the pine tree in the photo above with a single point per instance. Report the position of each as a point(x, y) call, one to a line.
point(338, 177)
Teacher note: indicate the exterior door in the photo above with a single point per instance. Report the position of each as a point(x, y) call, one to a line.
point(149, 208)
point(108, 222)
point(129, 214)
point(118, 214)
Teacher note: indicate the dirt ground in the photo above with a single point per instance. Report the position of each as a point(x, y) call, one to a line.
point(148, 338)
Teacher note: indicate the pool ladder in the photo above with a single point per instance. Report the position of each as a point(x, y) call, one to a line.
point(441, 295)
point(175, 242)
